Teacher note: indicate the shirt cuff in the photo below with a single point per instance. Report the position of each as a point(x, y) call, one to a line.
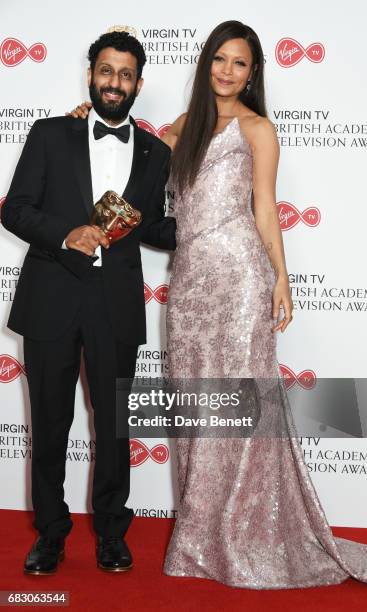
point(63, 246)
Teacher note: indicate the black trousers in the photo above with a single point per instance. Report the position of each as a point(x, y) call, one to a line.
point(52, 371)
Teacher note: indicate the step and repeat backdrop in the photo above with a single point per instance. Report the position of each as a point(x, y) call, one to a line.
point(317, 98)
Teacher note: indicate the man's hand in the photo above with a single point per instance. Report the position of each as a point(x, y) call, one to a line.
point(86, 238)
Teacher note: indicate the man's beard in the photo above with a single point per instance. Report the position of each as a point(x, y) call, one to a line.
point(111, 111)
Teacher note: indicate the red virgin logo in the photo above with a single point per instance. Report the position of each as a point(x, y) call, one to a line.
point(306, 379)
point(289, 216)
point(10, 369)
point(13, 52)
point(289, 52)
point(160, 132)
point(159, 294)
point(139, 453)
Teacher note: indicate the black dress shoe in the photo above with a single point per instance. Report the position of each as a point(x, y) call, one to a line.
point(113, 554)
point(44, 556)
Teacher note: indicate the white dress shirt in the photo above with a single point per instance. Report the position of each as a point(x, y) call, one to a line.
point(110, 163)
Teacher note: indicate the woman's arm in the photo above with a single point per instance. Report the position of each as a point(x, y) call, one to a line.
point(261, 135)
point(81, 111)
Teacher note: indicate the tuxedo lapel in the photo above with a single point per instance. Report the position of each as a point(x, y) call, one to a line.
point(79, 146)
point(139, 164)
point(79, 149)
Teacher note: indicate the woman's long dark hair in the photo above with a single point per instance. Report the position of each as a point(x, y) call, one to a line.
point(202, 114)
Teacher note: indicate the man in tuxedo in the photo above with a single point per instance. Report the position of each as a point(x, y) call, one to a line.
point(75, 291)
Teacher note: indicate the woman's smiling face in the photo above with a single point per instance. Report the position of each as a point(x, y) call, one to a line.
point(231, 68)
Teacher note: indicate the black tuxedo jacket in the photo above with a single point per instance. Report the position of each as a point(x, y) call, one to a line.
point(51, 194)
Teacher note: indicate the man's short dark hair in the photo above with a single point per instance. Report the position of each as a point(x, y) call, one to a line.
point(121, 41)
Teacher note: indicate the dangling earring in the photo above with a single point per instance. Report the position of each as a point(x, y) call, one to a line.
point(248, 87)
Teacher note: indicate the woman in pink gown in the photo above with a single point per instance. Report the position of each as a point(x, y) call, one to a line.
point(249, 515)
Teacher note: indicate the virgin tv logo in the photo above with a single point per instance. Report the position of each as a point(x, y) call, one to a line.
point(160, 132)
point(290, 216)
point(306, 379)
point(14, 52)
point(159, 294)
point(140, 453)
point(289, 52)
point(10, 369)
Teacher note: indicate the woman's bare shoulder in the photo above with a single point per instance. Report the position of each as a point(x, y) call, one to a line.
point(257, 129)
point(172, 135)
point(179, 123)
point(256, 123)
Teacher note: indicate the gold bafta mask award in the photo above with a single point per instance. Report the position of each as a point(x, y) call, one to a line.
point(116, 217)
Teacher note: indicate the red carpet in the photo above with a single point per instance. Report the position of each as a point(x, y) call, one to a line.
point(145, 587)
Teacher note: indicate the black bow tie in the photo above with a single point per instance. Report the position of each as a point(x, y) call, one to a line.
point(122, 132)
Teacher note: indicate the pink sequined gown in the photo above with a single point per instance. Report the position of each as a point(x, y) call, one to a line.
point(249, 515)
